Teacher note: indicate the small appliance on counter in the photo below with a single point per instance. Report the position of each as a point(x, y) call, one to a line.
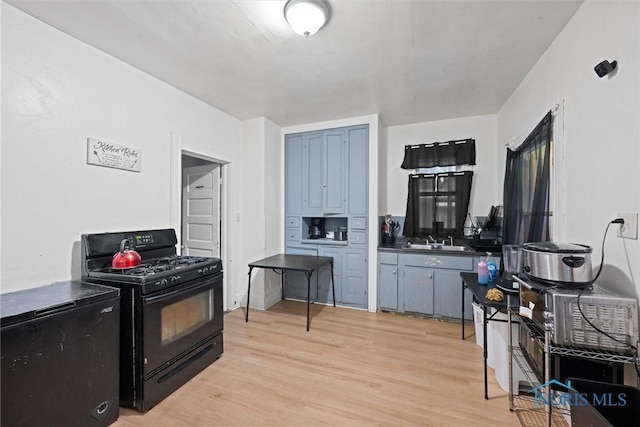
point(511, 260)
point(572, 313)
point(316, 230)
point(559, 264)
point(340, 234)
point(484, 234)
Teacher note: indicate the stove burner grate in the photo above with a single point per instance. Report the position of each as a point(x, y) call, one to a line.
point(159, 265)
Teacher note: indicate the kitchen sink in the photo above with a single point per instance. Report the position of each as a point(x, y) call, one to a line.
point(436, 247)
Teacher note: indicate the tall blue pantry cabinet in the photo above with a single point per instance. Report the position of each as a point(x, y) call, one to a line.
point(326, 177)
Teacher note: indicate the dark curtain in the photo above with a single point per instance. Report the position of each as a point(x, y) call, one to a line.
point(437, 204)
point(526, 187)
point(450, 153)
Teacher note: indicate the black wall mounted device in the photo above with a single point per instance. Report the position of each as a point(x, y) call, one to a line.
point(605, 67)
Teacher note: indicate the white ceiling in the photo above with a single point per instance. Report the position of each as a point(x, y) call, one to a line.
point(409, 61)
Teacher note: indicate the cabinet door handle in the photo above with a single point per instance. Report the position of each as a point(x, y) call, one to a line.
point(324, 185)
point(393, 271)
point(430, 276)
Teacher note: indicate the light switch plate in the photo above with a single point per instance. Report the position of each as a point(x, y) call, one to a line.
point(628, 230)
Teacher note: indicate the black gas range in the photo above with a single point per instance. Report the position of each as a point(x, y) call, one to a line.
point(171, 316)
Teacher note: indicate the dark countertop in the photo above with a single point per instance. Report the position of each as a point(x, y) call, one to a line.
point(30, 303)
point(480, 291)
point(398, 247)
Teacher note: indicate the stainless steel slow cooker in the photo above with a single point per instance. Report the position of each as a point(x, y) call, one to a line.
point(558, 263)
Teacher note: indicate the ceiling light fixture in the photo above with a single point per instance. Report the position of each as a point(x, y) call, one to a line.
point(306, 17)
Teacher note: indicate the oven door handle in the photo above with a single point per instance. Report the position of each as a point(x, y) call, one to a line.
point(179, 291)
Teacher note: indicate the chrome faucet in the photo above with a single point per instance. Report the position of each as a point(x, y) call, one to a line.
point(444, 241)
point(430, 237)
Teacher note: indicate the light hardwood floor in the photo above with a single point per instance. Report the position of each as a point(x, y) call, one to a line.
point(353, 368)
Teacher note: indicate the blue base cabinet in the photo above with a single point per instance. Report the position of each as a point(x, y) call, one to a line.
point(447, 294)
point(325, 294)
point(354, 286)
point(425, 283)
point(418, 289)
point(388, 281)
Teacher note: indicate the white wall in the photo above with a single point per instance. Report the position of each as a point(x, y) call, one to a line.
point(57, 92)
point(483, 129)
point(601, 129)
point(262, 231)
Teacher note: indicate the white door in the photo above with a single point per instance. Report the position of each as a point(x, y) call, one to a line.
point(201, 210)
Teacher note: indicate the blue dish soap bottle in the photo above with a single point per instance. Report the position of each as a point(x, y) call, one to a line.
point(492, 269)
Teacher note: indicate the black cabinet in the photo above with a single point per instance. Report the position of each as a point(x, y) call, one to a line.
point(60, 355)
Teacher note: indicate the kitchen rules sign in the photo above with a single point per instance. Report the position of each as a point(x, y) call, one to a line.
point(103, 153)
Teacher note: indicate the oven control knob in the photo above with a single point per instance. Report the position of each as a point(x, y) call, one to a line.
point(163, 282)
point(205, 270)
point(173, 280)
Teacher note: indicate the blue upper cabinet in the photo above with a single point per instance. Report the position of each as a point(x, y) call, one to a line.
point(312, 173)
point(357, 170)
point(323, 173)
point(335, 158)
point(292, 174)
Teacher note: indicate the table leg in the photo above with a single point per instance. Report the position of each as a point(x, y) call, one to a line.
point(462, 310)
point(510, 352)
point(308, 274)
point(484, 330)
point(282, 282)
point(246, 315)
point(333, 286)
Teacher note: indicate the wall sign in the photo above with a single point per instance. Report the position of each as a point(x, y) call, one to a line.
point(108, 154)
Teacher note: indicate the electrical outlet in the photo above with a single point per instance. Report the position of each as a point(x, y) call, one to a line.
point(628, 230)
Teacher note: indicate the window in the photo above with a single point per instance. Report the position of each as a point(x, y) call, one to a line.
point(437, 204)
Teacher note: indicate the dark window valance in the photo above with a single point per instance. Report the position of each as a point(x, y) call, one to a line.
point(449, 153)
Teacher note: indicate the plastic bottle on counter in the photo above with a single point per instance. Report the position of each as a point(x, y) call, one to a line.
point(492, 269)
point(483, 272)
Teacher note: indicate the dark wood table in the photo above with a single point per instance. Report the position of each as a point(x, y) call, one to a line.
point(282, 263)
point(470, 281)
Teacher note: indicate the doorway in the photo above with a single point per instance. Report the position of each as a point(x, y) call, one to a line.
point(201, 207)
